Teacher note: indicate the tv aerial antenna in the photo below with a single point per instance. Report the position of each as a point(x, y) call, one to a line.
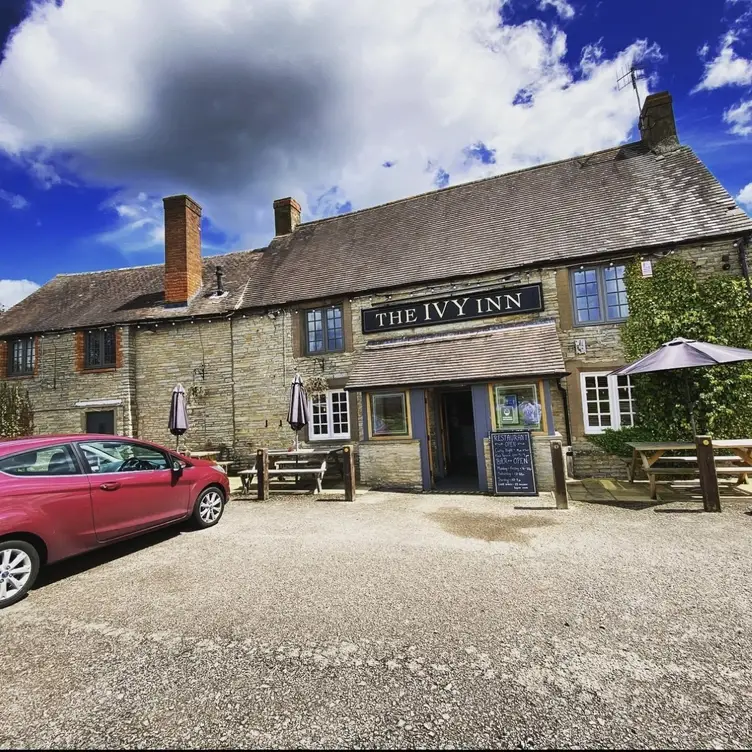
point(630, 78)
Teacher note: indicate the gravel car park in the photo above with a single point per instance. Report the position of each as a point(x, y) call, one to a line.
point(397, 620)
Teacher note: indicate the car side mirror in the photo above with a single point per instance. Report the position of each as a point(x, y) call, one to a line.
point(176, 466)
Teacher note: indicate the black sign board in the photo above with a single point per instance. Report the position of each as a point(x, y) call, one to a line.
point(479, 305)
point(512, 461)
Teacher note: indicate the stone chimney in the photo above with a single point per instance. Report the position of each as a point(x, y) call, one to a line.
point(182, 216)
point(286, 216)
point(657, 124)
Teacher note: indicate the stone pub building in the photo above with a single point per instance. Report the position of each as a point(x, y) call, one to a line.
point(424, 324)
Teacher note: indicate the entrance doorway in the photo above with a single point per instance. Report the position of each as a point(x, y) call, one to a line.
point(458, 430)
point(100, 421)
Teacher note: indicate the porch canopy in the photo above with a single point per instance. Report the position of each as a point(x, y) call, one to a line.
point(488, 354)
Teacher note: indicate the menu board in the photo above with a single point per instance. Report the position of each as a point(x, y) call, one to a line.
point(512, 462)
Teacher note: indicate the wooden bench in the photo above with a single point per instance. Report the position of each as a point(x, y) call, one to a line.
point(247, 476)
point(740, 470)
point(316, 471)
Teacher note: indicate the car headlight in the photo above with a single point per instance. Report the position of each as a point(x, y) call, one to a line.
point(220, 468)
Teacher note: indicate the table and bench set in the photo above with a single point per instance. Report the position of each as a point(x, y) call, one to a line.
point(654, 460)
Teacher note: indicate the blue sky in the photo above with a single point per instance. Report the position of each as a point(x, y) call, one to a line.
point(107, 107)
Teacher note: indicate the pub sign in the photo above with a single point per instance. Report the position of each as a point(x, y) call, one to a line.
point(479, 305)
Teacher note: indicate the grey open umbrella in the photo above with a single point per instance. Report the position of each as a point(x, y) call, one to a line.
point(178, 422)
point(685, 353)
point(297, 415)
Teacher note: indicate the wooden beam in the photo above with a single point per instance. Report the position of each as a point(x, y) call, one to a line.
point(560, 475)
point(348, 466)
point(708, 477)
point(262, 467)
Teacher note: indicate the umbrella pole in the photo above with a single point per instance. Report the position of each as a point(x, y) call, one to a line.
point(691, 404)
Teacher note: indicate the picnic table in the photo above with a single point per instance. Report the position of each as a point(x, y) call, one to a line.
point(202, 455)
point(650, 453)
point(296, 463)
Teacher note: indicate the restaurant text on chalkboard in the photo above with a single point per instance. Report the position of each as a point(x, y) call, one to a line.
point(506, 301)
point(512, 463)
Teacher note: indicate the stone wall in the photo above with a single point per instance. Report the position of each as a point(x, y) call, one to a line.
point(198, 356)
point(59, 389)
point(391, 463)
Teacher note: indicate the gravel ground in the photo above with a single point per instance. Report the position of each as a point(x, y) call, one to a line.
point(394, 621)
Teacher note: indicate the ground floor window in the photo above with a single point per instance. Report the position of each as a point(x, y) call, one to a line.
point(517, 406)
point(607, 401)
point(330, 415)
point(389, 414)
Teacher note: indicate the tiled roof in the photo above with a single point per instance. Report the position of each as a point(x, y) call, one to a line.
point(477, 355)
point(122, 295)
point(615, 200)
point(618, 199)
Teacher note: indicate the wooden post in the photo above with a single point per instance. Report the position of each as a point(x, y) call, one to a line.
point(560, 476)
point(348, 467)
point(708, 478)
point(262, 467)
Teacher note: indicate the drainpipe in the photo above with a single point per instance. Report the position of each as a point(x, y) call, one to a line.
point(565, 403)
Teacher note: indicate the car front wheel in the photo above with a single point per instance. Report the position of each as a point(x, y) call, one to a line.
point(19, 566)
point(209, 507)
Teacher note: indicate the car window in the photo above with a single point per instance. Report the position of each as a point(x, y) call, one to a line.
point(54, 460)
point(122, 457)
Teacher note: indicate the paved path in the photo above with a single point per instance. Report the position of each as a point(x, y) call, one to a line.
point(394, 621)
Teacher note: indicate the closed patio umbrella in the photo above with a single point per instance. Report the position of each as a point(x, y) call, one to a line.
point(178, 422)
point(297, 415)
point(685, 353)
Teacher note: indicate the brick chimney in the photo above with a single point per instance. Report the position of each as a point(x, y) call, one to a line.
point(657, 124)
point(182, 216)
point(286, 216)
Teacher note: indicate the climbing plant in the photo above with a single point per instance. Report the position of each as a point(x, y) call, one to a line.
point(675, 302)
point(16, 414)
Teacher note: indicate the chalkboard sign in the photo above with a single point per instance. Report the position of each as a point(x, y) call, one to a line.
point(512, 460)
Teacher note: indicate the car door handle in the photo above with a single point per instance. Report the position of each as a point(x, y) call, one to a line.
point(110, 486)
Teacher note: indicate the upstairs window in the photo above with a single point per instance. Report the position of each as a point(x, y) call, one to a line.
point(21, 356)
point(330, 417)
point(599, 294)
point(324, 330)
point(100, 349)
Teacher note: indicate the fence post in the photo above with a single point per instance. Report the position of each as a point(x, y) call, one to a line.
point(262, 469)
point(560, 476)
point(348, 465)
point(708, 478)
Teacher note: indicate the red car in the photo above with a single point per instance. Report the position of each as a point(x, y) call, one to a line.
point(64, 495)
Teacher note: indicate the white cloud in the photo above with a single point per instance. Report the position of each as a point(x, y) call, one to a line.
point(562, 7)
point(14, 200)
point(744, 197)
point(727, 68)
point(13, 291)
point(739, 117)
point(239, 103)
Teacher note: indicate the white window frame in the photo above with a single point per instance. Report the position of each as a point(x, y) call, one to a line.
point(613, 401)
point(330, 434)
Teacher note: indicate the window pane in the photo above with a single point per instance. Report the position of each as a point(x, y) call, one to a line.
point(613, 277)
point(21, 356)
point(315, 331)
point(389, 414)
point(586, 296)
point(319, 422)
point(93, 349)
point(335, 335)
point(517, 406)
point(108, 337)
point(340, 418)
point(597, 401)
point(119, 456)
point(56, 460)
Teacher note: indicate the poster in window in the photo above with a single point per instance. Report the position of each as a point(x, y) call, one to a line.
point(509, 409)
